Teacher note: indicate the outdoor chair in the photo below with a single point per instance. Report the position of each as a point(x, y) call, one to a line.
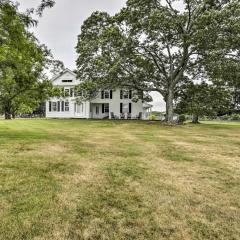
point(122, 116)
point(129, 116)
point(113, 116)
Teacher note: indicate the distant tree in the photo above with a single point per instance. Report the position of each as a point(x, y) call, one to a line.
point(201, 100)
point(226, 72)
point(152, 46)
point(56, 67)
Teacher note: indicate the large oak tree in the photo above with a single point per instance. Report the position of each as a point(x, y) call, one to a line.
point(151, 45)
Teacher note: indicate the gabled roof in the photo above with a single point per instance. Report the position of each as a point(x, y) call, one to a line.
point(63, 72)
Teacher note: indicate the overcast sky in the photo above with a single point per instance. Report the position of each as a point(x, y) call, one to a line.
point(60, 26)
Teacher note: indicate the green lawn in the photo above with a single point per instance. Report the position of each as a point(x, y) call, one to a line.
point(79, 179)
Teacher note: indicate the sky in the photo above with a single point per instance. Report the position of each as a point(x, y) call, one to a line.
point(60, 26)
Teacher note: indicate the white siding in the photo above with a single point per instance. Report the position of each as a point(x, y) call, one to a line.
point(114, 103)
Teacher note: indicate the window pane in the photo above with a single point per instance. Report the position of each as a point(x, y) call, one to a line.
point(67, 106)
point(125, 94)
point(125, 108)
point(67, 92)
point(106, 94)
point(106, 108)
point(54, 106)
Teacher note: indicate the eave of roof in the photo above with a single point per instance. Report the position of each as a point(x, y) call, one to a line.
point(59, 75)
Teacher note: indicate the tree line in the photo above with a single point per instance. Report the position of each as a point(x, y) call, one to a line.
point(190, 55)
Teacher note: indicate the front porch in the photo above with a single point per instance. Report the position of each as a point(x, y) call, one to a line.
point(123, 111)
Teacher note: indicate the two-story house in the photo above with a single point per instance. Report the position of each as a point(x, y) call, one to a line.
point(108, 104)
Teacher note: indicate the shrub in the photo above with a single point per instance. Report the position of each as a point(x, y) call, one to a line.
point(225, 117)
point(235, 117)
point(152, 118)
point(181, 119)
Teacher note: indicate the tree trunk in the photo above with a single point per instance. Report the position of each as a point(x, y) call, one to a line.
point(169, 106)
point(166, 116)
point(195, 119)
point(7, 113)
point(13, 115)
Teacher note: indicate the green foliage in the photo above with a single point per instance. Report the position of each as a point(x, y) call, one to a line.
point(23, 85)
point(153, 117)
point(151, 46)
point(235, 117)
point(181, 119)
point(203, 100)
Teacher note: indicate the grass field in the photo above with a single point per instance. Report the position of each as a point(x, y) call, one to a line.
point(79, 179)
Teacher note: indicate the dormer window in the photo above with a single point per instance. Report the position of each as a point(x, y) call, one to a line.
point(67, 81)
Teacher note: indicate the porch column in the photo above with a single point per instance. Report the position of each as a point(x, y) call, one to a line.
point(88, 110)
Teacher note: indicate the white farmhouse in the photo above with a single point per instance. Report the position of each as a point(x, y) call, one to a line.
point(107, 105)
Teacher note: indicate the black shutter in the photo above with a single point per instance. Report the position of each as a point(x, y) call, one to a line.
point(102, 108)
point(71, 92)
point(58, 106)
point(121, 94)
point(111, 94)
point(50, 106)
point(102, 95)
point(121, 107)
point(130, 108)
point(130, 94)
point(62, 106)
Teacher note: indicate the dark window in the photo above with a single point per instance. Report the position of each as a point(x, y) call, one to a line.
point(54, 106)
point(62, 106)
point(121, 94)
point(121, 107)
point(58, 106)
point(50, 106)
point(106, 94)
point(66, 106)
point(111, 94)
point(71, 92)
point(130, 94)
point(130, 108)
point(125, 94)
point(66, 81)
point(102, 108)
point(106, 108)
point(66, 92)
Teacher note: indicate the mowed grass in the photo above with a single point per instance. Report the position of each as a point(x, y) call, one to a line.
point(79, 179)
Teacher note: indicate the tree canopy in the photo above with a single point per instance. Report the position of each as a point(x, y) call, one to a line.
point(23, 84)
point(202, 99)
point(153, 46)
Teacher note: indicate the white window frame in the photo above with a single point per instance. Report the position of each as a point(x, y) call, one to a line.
point(54, 106)
point(106, 108)
point(125, 108)
point(67, 92)
point(66, 107)
point(106, 94)
point(97, 109)
point(125, 94)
